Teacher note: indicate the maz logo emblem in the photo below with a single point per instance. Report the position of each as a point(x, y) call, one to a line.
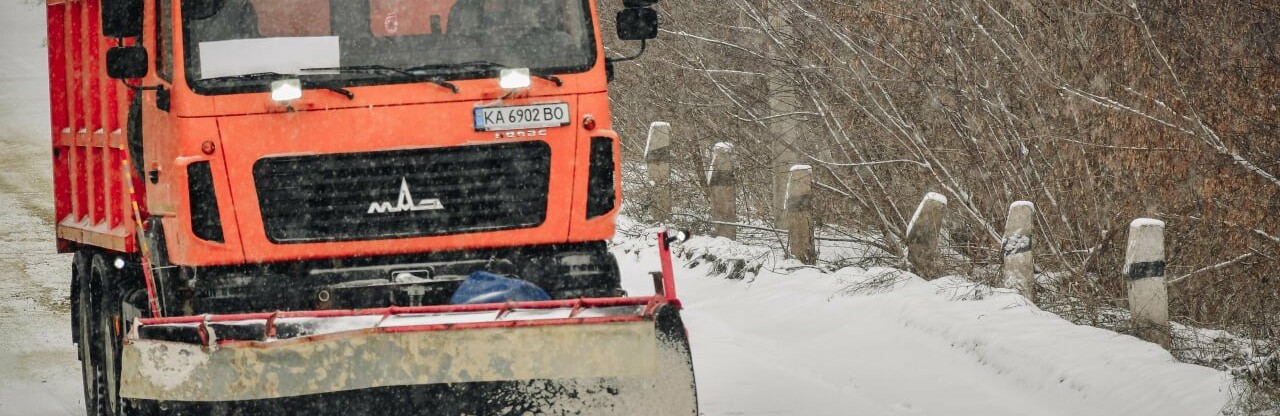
point(519, 134)
point(406, 202)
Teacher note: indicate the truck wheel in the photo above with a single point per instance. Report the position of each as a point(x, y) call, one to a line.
point(81, 315)
point(587, 270)
point(101, 335)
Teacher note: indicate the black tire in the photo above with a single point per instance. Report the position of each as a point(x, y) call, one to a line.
point(100, 312)
point(162, 271)
point(586, 270)
point(81, 315)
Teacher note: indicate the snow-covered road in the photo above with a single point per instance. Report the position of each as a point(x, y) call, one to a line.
point(39, 373)
point(780, 344)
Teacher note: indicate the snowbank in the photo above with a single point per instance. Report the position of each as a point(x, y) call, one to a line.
point(882, 341)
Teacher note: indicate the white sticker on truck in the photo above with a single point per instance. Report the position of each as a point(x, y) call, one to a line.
point(286, 55)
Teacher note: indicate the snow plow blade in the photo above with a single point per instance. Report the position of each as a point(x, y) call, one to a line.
point(587, 356)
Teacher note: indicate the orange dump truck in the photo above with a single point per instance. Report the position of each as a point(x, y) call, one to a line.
point(351, 206)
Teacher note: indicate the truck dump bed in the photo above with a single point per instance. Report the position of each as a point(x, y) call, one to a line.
point(88, 109)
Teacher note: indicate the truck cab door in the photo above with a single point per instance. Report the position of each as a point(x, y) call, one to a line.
point(157, 122)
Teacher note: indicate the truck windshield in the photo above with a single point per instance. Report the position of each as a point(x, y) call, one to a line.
point(227, 39)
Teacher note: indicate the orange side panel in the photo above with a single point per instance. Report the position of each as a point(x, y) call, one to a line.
point(602, 227)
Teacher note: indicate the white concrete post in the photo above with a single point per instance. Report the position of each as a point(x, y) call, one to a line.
point(657, 155)
point(1144, 265)
point(800, 214)
point(723, 181)
point(922, 236)
point(784, 103)
point(1019, 261)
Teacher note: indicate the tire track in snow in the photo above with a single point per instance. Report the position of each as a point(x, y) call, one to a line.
point(26, 226)
point(19, 180)
point(39, 371)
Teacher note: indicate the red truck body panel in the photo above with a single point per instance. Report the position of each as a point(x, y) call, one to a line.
point(92, 204)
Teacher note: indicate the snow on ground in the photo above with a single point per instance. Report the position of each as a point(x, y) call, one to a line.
point(808, 343)
point(24, 94)
point(39, 373)
point(781, 342)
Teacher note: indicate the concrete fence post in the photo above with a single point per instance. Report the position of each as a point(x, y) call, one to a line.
point(800, 214)
point(787, 127)
point(723, 180)
point(1144, 265)
point(657, 155)
point(922, 236)
point(1019, 261)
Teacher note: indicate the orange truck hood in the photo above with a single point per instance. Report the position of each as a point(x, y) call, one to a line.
point(246, 139)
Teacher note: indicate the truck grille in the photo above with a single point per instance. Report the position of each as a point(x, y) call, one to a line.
point(403, 193)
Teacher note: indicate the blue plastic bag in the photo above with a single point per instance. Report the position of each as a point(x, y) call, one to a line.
point(485, 287)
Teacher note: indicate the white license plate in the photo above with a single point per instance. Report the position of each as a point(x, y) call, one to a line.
point(536, 116)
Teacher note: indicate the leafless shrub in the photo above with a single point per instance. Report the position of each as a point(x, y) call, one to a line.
point(1099, 112)
point(881, 281)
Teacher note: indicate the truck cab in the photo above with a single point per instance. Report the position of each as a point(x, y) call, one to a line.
point(309, 144)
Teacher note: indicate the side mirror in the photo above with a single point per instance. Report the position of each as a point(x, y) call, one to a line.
point(637, 24)
point(128, 62)
point(121, 18)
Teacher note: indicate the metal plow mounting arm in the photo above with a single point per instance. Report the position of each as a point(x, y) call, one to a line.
point(585, 356)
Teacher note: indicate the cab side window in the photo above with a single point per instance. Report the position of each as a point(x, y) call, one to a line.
point(164, 40)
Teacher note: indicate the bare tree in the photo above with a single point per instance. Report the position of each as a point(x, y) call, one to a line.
point(1099, 112)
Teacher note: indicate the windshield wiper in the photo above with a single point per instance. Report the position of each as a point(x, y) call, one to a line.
point(474, 65)
point(483, 66)
point(306, 83)
point(375, 69)
point(253, 76)
point(547, 76)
